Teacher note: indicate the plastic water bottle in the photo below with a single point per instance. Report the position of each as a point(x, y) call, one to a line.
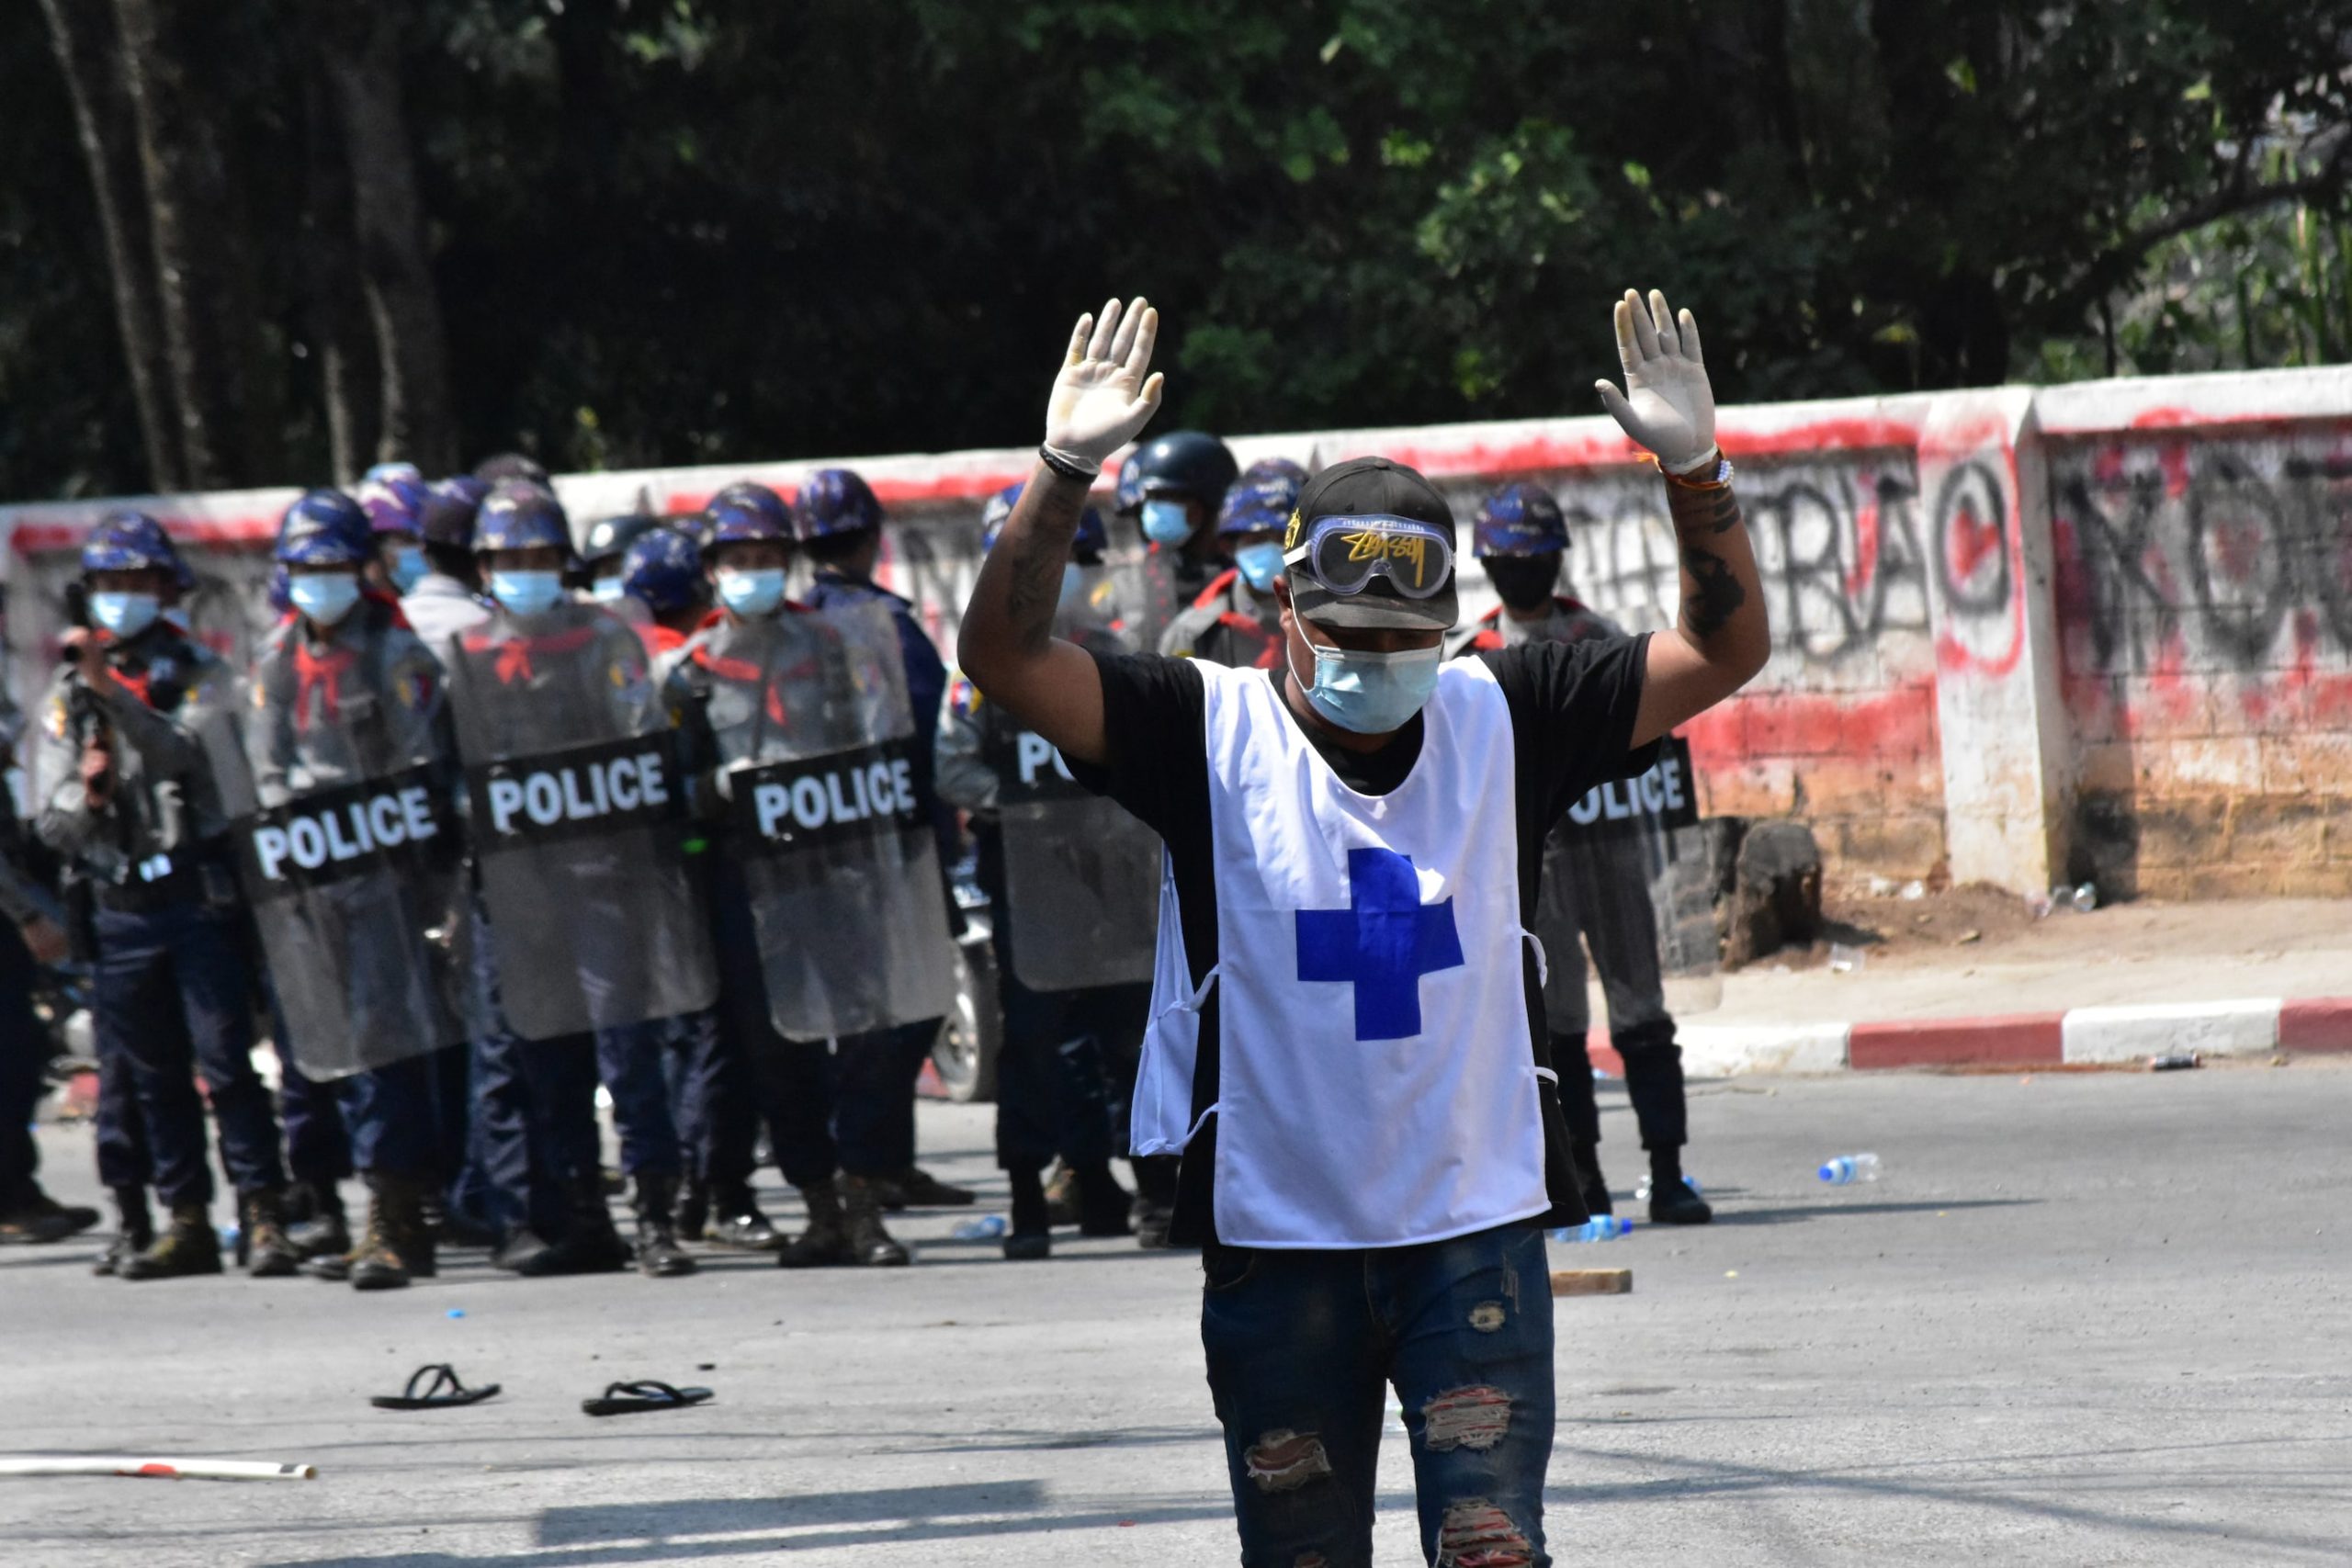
point(986, 1227)
point(1641, 1188)
point(227, 1237)
point(1601, 1227)
point(1846, 1170)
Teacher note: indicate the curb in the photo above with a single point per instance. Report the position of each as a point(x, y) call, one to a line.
point(2093, 1036)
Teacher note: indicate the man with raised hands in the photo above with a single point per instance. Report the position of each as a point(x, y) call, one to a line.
point(1346, 1043)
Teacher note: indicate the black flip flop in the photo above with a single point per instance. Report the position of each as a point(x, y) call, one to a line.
point(443, 1392)
point(624, 1398)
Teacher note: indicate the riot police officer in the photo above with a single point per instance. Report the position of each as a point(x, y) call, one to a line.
point(447, 599)
point(1074, 942)
point(601, 550)
point(1235, 621)
point(1170, 488)
point(395, 504)
point(1596, 885)
point(127, 794)
point(345, 789)
point(575, 812)
point(32, 932)
point(840, 525)
point(825, 895)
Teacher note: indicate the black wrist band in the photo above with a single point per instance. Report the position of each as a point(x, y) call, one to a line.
point(1065, 468)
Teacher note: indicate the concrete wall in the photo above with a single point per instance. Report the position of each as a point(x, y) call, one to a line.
point(2020, 637)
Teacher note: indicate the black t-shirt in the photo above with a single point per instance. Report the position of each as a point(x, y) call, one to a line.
point(1572, 709)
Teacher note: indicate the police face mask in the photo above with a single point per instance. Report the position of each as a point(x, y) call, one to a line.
point(1370, 693)
point(324, 599)
point(1259, 564)
point(755, 592)
point(526, 593)
point(607, 590)
point(1073, 587)
point(407, 567)
point(1167, 522)
point(124, 614)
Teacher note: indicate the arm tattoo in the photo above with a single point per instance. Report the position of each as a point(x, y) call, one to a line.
point(1713, 509)
point(1036, 587)
point(1714, 594)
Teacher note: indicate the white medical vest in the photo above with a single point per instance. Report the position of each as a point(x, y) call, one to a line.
point(1376, 1082)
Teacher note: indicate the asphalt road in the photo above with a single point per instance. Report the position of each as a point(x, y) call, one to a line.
point(2084, 1319)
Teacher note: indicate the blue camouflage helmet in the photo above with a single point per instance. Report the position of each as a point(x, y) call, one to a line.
point(1520, 520)
point(379, 473)
point(1263, 499)
point(130, 541)
point(608, 537)
point(836, 501)
point(324, 527)
point(1191, 464)
point(1085, 546)
point(450, 504)
point(733, 518)
point(280, 591)
point(662, 566)
point(394, 504)
point(520, 516)
point(752, 493)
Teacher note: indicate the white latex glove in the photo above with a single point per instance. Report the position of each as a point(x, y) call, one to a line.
point(1101, 398)
point(1667, 405)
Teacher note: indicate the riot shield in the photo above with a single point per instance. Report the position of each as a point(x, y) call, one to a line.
point(1626, 869)
point(1081, 876)
point(810, 712)
point(577, 809)
point(350, 851)
point(1149, 596)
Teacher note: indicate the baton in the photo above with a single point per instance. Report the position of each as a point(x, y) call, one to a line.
point(162, 1469)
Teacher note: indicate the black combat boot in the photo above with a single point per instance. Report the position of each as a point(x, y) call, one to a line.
point(1671, 1201)
point(1585, 1160)
point(134, 1234)
point(187, 1246)
point(915, 1188)
point(524, 1251)
point(736, 1221)
point(694, 1209)
point(33, 1217)
point(324, 1230)
point(1103, 1203)
point(659, 1255)
point(1032, 1235)
point(591, 1244)
point(826, 1241)
point(869, 1244)
point(262, 1243)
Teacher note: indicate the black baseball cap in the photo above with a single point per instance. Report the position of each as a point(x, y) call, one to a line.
point(1371, 487)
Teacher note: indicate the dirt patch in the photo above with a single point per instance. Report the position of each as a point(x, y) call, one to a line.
point(1893, 930)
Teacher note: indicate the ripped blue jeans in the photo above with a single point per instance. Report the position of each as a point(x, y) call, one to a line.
point(1302, 1346)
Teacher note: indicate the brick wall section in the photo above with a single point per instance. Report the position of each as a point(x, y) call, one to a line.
point(2204, 601)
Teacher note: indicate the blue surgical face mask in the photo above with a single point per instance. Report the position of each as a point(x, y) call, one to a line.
point(326, 598)
point(124, 614)
point(1167, 522)
point(407, 568)
point(1073, 586)
point(608, 590)
point(756, 590)
point(1259, 564)
point(1371, 694)
point(526, 593)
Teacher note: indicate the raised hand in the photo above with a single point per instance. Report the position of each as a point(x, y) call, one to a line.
point(1666, 404)
point(1101, 398)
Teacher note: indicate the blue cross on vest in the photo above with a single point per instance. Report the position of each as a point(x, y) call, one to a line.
point(1382, 943)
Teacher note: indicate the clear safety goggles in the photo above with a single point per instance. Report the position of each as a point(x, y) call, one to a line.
point(1344, 554)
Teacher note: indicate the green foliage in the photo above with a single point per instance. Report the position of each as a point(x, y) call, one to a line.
point(694, 230)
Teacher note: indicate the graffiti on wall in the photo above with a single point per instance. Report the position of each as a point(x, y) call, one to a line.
point(2208, 556)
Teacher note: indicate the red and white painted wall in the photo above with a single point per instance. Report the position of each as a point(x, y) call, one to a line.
point(2020, 636)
